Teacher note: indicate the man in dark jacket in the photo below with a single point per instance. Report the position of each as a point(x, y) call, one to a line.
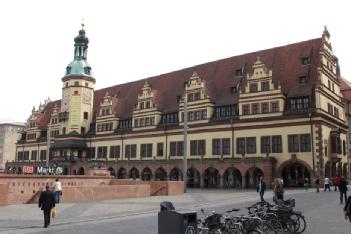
point(46, 203)
point(261, 187)
point(343, 189)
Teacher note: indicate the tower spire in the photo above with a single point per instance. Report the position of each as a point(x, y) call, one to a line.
point(81, 45)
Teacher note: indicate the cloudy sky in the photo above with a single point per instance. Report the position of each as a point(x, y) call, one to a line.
point(131, 40)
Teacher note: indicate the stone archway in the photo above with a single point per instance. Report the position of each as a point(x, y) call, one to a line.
point(160, 174)
point(122, 173)
point(134, 173)
point(146, 174)
point(211, 178)
point(294, 174)
point(232, 178)
point(175, 174)
point(112, 171)
point(193, 177)
point(81, 171)
point(253, 175)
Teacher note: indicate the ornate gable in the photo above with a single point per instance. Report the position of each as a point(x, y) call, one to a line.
point(259, 70)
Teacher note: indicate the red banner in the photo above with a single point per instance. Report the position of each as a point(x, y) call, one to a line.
point(28, 170)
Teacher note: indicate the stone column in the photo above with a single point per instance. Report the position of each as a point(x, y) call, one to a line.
point(221, 182)
point(243, 182)
point(201, 181)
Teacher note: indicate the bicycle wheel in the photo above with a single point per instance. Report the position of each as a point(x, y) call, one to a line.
point(302, 224)
point(254, 231)
point(274, 221)
point(267, 228)
point(292, 223)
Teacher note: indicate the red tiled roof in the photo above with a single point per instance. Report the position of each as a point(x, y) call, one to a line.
point(219, 77)
point(345, 87)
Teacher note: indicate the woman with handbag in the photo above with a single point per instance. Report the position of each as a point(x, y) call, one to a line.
point(347, 209)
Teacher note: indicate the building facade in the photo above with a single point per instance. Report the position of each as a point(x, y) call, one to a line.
point(278, 112)
point(9, 135)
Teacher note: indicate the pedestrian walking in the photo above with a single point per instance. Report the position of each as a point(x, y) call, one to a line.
point(46, 203)
point(57, 190)
point(317, 184)
point(282, 187)
point(261, 187)
point(278, 190)
point(306, 184)
point(336, 180)
point(343, 189)
point(347, 209)
point(326, 184)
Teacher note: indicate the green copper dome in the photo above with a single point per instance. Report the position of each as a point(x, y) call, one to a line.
point(79, 66)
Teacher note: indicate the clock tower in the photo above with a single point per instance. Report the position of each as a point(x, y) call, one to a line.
point(77, 90)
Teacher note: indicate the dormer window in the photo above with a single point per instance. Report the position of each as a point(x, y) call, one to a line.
point(190, 97)
point(238, 72)
point(87, 70)
point(196, 96)
point(253, 88)
point(305, 61)
point(303, 79)
point(233, 90)
point(141, 105)
point(147, 104)
point(265, 86)
point(68, 70)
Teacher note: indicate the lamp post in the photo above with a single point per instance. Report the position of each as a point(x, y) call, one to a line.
point(185, 118)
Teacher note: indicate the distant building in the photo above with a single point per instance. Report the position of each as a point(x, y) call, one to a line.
point(9, 135)
point(278, 112)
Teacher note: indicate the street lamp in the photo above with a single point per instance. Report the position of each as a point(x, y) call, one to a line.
point(48, 143)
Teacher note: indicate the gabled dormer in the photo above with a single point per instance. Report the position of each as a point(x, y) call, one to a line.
point(146, 113)
point(253, 101)
point(106, 120)
point(199, 104)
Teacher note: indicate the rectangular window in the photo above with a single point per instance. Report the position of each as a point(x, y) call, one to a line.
point(42, 155)
point(305, 60)
point(76, 83)
point(265, 86)
point(201, 147)
point(190, 97)
point(240, 145)
point(277, 144)
point(344, 147)
point(275, 106)
point(91, 152)
point(303, 79)
point(305, 143)
point(20, 156)
point(299, 104)
point(265, 107)
point(133, 151)
point(193, 147)
point(204, 114)
point(115, 151)
point(306, 102)
point(336, 112)
point(143, 150)
point(102, 152)
point(226, 146)
point(160, 149)
point(34, 155)
point(255, 109)
point(265, 144)
point(330, 109)
point(180, 147)
point(127, 151)
point(173, 148)
point(246, 109)
point(216, 146)
point(85, 115)
point(253, 88)
point(149, 150)
point(251, 145)
point(26, 155)
point(293, 143)
point(197, 96)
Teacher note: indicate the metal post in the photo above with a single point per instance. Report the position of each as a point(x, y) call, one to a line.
point(48, 143)
point(185, 143)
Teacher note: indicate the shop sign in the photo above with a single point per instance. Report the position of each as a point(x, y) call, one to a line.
point(28, 169)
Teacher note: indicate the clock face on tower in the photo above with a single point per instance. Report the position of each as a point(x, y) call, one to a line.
point(65, 100)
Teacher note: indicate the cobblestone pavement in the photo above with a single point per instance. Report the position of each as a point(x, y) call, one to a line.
point(322, 212)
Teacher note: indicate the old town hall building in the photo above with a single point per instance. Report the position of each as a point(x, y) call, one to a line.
point(278, 112)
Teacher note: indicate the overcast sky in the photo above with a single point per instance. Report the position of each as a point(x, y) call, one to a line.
point(131, 40)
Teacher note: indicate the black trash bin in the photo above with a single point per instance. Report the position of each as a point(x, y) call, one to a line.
point(177, 222)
